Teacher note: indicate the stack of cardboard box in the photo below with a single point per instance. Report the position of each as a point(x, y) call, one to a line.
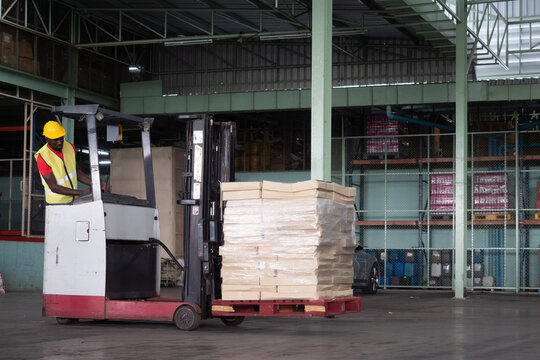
point(287, 241)
point(7, 50)
point(26, 56)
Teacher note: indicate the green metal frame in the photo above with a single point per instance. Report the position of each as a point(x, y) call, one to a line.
point(147, 97)
point(54, 88)
point(321, 93)
point(461, 234)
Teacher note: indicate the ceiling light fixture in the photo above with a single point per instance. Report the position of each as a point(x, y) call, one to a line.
point(188, 42)
point(302, 35)
point(349, 32)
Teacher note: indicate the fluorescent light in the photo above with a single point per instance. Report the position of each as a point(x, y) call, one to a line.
point(350, 32)
point(188, 42)
point(134, 69)
point(302, 35)
point(104, 162)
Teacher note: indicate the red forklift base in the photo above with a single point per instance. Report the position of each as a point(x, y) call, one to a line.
point(100, 308)
point(286, 307)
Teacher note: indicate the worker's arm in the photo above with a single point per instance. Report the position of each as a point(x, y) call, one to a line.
point(58, 189)
point(82, 177)
point(85, 179)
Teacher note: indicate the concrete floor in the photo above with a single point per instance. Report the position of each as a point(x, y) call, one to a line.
point(393, 325)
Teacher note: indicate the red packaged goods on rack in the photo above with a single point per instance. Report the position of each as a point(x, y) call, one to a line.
point(386, 137)
point(492, 191)
point(490, 178)
point(441, 194)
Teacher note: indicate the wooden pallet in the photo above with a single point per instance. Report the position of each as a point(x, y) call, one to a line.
point(286, 307)
point(490, 217)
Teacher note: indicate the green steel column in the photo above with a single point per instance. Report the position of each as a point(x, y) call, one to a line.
point(67, 123)
point(321, 90)
point(460, 258)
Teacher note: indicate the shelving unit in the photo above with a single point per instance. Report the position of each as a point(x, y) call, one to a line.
point(393, 205)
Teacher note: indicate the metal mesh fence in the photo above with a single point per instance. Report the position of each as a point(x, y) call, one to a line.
point(406, 205)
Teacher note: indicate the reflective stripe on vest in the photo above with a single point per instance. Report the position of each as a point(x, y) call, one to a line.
point(59, 172)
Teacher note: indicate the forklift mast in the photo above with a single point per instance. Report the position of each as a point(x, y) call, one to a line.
point(209, 160)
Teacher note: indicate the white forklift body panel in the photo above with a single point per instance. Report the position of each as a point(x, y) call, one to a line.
point(74, 266)
point(75, 246)
point(124, 222)
point(102, 249)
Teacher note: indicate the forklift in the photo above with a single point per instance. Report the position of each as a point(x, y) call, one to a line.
point(101, 255)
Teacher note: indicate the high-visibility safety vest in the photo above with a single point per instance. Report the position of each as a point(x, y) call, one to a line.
point(62, 174)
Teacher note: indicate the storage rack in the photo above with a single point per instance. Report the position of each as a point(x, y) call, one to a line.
point(507, 251)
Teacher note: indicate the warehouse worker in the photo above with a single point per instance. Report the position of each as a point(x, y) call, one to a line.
point(58, 167)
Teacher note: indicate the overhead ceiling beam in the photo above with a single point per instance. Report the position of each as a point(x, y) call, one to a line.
point(198, 20)
point(279, 14)
point(372, 5)
point(232, 16)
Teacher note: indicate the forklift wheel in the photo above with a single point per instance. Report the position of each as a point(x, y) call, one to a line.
point(66, 321)
point(186, 318)
point(232, 320)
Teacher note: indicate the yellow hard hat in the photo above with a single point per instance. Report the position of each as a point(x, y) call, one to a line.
point(53, 130)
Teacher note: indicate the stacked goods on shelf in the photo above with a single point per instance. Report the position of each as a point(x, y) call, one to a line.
point(492, 192)
point(7, 50)
point(385, 139)
point(287, 241)
point(26, 56)
point(436, 268)
point(446, 268)
point(441, 201)
point(404, 268)
point(475, 272)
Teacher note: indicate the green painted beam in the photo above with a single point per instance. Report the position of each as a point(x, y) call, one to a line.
point(50, 87)
point(460, 233)
point(145, 97)
point(31, 82)
point(321, 90)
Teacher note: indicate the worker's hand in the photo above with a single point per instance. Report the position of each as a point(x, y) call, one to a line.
point(88, 190)
point(105, 187)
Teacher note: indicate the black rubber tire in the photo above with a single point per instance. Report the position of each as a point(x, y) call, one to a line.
point(232, 320)
point(66, 321)
point(187, 318)
point(373, 282)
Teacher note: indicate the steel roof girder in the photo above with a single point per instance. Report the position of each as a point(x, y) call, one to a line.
point(232, 17)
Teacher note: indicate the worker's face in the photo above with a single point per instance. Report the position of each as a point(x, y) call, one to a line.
point(56, 144)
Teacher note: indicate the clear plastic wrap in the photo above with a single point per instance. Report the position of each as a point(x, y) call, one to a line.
point(305, 243)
